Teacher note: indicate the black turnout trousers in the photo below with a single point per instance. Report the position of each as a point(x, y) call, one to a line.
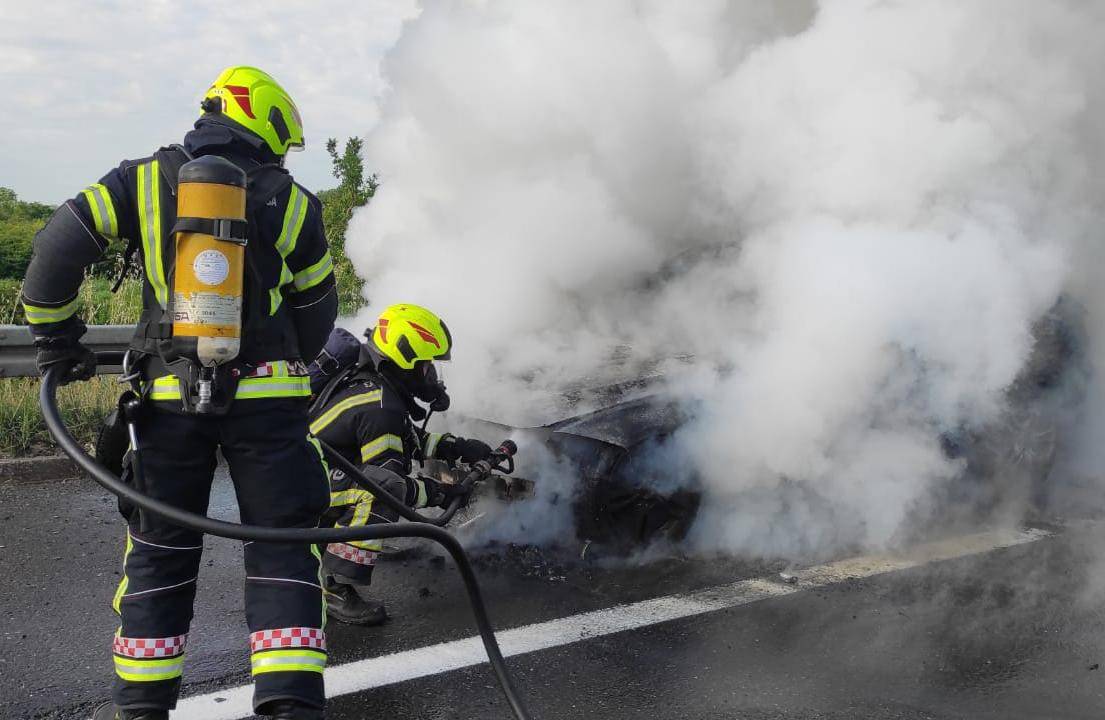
point(280, 481)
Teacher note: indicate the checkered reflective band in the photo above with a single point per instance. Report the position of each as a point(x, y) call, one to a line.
point(352, 554)
point(149, 647)
point(281, 638)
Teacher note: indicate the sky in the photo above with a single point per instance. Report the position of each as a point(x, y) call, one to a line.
point(88, 84)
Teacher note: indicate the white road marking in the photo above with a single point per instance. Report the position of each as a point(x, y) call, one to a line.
point(235, 703)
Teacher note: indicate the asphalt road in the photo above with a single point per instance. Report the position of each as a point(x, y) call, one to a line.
point(1013, 633)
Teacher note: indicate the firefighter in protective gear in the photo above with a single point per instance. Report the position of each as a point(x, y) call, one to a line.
point(368, 414)
point(289, 304)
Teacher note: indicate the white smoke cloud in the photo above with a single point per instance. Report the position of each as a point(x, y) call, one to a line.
point(849, 213)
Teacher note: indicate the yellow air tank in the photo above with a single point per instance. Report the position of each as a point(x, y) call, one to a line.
point(210, 257)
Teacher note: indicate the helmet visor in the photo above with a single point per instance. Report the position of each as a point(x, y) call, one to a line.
point(433, 372)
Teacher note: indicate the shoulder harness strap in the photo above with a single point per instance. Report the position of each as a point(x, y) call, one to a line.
point(169, 161)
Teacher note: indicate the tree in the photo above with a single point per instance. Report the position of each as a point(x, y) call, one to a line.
point(12, 206)
point(354, 190)
point(19, 221)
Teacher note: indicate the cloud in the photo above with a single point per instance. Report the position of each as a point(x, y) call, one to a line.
point(90, 83)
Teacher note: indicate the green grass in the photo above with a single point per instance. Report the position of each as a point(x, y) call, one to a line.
point(83, 405)
point(98, 305)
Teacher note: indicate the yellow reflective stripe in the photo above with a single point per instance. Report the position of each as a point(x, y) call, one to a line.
point(94, 206)
point(137, 670)
point(129, 662)
point(321, 455)
point(313, 275)
point(373, 545)
point(363, 500)
point(122, 589)
point(275, 296)
point(103, 210)
point(292, 660)
point(294, 215)
point(165, 388)
point(321, 580)
point(273, 387)
point(347, 497)
point(37, 315)
point(153, 677)
point(381, 445)
point(168, 387)
point(289, 667)
point(430, 445)
point(363, 512)
point(149, 215)
point(332, 414)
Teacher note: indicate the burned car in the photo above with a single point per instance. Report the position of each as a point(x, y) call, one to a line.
point(630, 489)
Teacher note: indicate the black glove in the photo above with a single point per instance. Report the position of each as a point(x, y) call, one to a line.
point(472, 451)
point(66, 350)
point(440, 403)
point(466, 450)
point(439, 494)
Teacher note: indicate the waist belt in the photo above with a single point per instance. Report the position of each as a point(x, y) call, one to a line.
point(274, 379)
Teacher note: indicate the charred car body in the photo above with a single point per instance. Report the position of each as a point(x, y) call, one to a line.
point(625, 496)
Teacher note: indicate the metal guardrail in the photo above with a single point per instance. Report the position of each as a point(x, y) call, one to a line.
point(17, 350)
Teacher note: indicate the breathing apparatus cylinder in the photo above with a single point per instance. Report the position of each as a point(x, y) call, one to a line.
point(209, 271)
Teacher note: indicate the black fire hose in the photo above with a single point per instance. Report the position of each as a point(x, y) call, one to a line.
point(312, 536)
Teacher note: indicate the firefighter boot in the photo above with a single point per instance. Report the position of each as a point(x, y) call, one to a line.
point(345, 605)
point(108, 711)
point(290, 710)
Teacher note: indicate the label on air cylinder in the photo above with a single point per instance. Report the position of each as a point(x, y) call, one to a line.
point(207, 314)
point(211, 267)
